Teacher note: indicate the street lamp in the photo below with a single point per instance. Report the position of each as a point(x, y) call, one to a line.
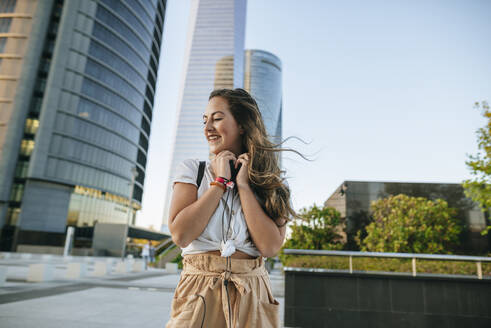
point(134, 175)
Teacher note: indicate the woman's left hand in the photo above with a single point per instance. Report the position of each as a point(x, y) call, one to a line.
point(242, 178)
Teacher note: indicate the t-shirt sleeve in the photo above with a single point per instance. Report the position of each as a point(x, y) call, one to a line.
point(187, 172)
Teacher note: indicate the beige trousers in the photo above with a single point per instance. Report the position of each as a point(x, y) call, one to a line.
point(201, 299)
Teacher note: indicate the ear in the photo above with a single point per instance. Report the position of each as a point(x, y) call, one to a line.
point(241, 129)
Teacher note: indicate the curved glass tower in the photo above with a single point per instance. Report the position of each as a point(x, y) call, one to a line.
point(87, 121)
point(262, 79)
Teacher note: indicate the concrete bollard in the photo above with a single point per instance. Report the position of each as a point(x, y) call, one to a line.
point(25, 256)
point(40, 272)
point(76, 270)
point(122, 267)
point(101, 268)
point(3, 275)
point(171, 267)
point(138, 266)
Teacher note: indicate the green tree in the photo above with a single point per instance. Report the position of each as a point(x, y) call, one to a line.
point(407, 224)
point(317, 228)
point(479, 188)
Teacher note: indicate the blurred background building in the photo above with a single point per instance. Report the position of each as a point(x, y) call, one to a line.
point(77, 86)
point(216, 30)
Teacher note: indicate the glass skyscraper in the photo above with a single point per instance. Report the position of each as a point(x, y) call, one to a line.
point(216, 30)
point(262, 79)
point(77, 86)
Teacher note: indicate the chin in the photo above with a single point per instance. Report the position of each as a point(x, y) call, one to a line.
point(216, 150)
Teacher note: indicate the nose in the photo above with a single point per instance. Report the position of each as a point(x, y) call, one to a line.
point(208, 126)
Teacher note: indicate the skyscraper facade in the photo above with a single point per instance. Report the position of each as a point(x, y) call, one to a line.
point(262, 79)
point(77, 87)
point(216, 30)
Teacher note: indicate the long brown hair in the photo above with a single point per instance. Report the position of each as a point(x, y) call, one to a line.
point(264, 170)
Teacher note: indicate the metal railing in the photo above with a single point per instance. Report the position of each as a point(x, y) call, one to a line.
point(413, 256)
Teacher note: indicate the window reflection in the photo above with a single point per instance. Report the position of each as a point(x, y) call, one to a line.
point(7, 6)
point(21, 169)
point(16, 192)
point(13, 215)
point(32, 126)
point(147, 16)
point(26, 147)
point(87, 209)
point(121, 9)
point(5, 25)
point(113, 22)
point(92, 111)
point(104, 75)
point(114, 60)
point(103, 34)
point(111, 99)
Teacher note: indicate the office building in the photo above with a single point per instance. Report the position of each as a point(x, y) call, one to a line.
point(77, 86)
point(353, 199)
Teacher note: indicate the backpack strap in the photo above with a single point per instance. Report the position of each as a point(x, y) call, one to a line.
point(201, 171)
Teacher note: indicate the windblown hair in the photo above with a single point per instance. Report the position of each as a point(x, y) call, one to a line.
point(264, 171)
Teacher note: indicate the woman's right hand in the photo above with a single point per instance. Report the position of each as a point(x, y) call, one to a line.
point(220, 164)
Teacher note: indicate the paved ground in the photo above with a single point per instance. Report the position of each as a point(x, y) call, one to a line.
point(116, 300)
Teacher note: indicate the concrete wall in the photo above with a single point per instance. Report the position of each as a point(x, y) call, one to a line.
point(338, 299)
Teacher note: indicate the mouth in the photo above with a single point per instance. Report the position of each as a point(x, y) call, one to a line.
point(213, 138)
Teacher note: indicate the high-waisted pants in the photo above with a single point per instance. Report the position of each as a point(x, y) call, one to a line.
point(215, 292)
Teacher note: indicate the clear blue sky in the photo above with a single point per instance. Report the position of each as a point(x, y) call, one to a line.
point(382, 90)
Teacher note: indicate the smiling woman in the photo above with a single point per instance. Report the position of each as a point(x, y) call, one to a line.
point(225, 226)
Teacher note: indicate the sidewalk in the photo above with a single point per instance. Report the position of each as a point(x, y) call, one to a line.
point(116, 300)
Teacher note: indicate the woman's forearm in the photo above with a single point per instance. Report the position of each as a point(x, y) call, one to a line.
point(190, 222)
point(264, 232)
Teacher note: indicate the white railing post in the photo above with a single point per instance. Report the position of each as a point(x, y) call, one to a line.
point(414, 267)
point(479, 270)
point(351, 264)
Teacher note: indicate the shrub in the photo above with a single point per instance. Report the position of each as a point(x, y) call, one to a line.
point(317, 228)
point(411, 225)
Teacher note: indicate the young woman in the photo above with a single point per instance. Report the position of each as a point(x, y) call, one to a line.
point(226, 229)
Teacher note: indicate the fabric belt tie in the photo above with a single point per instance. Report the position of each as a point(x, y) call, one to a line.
point(236, 278)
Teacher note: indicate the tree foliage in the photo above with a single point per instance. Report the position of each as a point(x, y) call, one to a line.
point(479, 187)
point(407, 224)
point(317, 228)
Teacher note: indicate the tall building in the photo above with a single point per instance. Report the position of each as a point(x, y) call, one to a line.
point(77, 86)
point(262, 79)
point(216, 30)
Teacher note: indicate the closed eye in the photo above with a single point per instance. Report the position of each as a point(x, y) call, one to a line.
point(216, 119)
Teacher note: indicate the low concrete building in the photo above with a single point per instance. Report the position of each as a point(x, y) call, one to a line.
point(353, 198)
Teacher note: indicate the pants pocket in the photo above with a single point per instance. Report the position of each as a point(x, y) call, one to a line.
point(182, 311)
point(269, 314)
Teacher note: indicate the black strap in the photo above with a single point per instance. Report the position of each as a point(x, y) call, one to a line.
point(201, 171)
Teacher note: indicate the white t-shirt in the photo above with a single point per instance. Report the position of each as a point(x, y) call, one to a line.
point(211, 237)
